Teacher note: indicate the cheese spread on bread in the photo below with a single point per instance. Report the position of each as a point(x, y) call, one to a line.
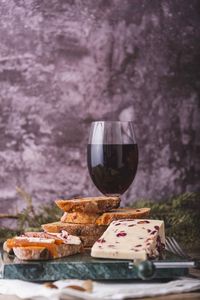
point(66, 237)
point(35, 240)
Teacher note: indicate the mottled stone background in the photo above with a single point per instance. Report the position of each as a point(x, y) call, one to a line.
point(64, 63)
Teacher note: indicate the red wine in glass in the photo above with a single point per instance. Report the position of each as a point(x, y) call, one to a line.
point(112, 156)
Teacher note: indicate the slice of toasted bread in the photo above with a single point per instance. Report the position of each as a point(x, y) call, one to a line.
point(122, 213)
point(90, 204)
point(79, 218)
point(42, 253)
point(75, 229)
point(31, 253)
point(40, 247)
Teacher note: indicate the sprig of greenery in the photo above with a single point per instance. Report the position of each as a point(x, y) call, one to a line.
point(181, 215)
point(30, 219)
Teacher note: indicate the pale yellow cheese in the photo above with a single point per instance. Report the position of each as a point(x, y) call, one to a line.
point(66, 238)
point(131, 239)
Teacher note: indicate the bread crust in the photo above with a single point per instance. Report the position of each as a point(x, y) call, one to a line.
point(6, 248)
point(88, 241)
point(89, 204)
point(41, 253)
point(75, 229)
point(32, 253)
point(79, 217)
point(122, 213)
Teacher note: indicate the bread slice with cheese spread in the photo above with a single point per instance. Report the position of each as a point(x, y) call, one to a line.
point(87, 240)
point(88, 233)
point(43, 247)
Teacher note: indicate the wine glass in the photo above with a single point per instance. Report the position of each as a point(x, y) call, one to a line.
point(112, 156)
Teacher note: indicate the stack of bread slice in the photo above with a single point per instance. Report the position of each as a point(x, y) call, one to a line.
point(83, 222)
point(88, 218)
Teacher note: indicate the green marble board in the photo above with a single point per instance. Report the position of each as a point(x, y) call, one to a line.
point(83, 266)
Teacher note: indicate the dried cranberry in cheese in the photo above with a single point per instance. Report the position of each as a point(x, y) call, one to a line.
point(131, 239)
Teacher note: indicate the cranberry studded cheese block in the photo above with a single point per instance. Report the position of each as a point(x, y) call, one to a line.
point(32, 246)
point(131, 239)
point(89, 204)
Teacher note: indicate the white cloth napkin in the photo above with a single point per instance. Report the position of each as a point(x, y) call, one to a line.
point(107, 291)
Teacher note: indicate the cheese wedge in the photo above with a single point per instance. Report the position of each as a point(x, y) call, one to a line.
point(137, 239)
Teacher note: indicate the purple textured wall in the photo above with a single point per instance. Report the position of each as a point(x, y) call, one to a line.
point(66, 63)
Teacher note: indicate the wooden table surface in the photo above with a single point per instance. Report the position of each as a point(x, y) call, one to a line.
point(183, 296)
